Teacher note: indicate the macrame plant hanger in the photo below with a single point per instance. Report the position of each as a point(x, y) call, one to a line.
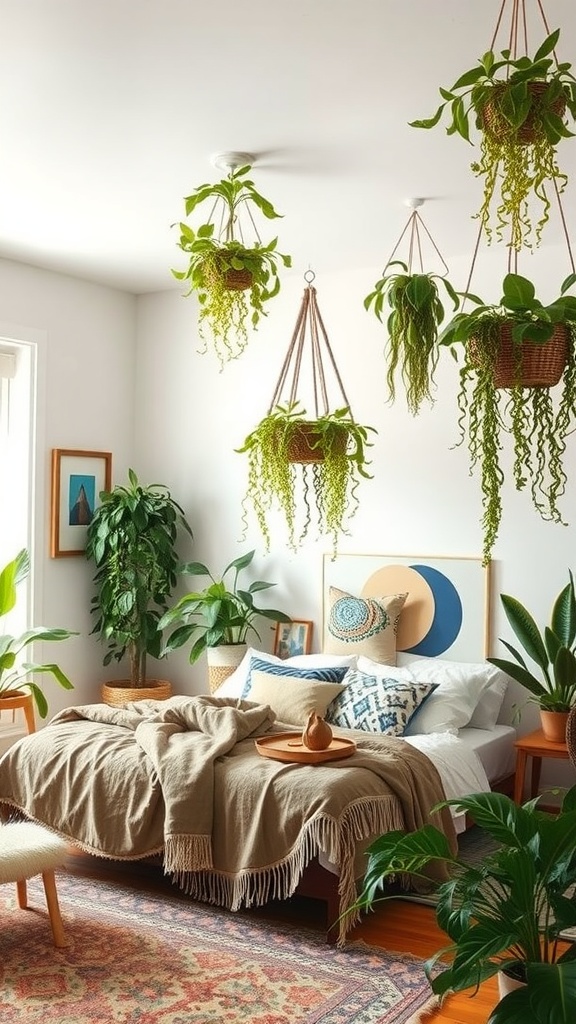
point(413, 227)
point(309, 327)
point(518, 35)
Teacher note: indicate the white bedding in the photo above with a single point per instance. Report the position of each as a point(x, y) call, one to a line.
point(470, 761)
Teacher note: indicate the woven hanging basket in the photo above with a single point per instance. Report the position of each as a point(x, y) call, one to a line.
point(499, 128)
point(539, 366)
point(238, 280)
point(118, 691)
point(304, 445)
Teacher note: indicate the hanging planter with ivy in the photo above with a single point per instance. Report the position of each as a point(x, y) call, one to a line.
point(307, 467)
point(233, 281)
point(497, 399)
point(411, 299)
point(520, 106)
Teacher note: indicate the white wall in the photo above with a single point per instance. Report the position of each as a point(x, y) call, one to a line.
point(172, 415)
point(86, 357)
point(422, 498)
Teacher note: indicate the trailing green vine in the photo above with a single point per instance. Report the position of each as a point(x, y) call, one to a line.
point(227, 309)
point(537, 419)
point(329, 486)
point(518, 104)
point(416, 313)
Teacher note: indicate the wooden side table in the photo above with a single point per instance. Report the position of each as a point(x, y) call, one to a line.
point(536, 746)
point(25, 701)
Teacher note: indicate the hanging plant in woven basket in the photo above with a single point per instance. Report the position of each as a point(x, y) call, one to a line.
point(522, 107)
point(233, 281)
point(515, 354)
point(412, 301)
point(306, 466)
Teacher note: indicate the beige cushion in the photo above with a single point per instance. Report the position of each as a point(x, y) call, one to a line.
point(363, 625)
point(292, 699)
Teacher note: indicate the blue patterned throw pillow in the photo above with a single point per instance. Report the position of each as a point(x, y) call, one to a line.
point(321, 675)
point(373, 704)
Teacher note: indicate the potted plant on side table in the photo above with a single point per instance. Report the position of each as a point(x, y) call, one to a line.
point(504, 916)
point(14, 675)
point(554, 653)
point(218, 619)
point(132, 542)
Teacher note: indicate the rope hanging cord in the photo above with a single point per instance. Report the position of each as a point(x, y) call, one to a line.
point(309, 320)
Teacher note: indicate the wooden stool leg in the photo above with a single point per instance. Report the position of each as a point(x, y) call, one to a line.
point(22, 894)
point(53, 908)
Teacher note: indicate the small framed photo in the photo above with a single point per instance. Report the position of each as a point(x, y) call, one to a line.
point(78, 477)
point(293, 638)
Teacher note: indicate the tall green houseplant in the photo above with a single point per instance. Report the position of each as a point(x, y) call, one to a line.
point(132, 542)
point(233, 281)
point(504, 915)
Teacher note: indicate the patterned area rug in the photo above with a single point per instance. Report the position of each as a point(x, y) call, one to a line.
point(162, 959)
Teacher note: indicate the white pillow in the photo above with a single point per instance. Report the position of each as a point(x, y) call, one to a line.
point(234, 684)
point(459, 688)
point(489, 707)
point(292, 699)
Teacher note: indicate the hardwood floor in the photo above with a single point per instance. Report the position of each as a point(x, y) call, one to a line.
point(397, 925)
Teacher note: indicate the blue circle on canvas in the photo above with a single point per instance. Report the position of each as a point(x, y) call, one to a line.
point(447, 621)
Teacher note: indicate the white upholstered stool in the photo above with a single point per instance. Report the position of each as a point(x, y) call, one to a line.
point(27, 849)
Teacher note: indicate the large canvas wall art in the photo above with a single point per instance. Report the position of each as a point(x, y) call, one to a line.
point(446, 613)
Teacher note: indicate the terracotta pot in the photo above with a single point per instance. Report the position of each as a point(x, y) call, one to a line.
point(538, 365)
point(304, 444)
point(222, 661)
point(554, 725)
point(499, 128)
point(119, 691)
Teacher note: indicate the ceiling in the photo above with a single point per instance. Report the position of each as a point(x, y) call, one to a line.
point(111, 112)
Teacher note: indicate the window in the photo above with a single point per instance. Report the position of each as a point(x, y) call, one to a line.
point(17, 365)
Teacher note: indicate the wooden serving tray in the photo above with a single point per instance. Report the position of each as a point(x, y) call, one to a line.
point(288, 746)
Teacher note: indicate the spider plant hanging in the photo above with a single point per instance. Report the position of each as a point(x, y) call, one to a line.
point(232, 279)
point(415, 312)
point(307, 467)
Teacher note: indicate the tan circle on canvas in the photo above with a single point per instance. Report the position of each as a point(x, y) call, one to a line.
point(417, 614)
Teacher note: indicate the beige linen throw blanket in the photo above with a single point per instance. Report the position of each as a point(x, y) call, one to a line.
point(183, 777)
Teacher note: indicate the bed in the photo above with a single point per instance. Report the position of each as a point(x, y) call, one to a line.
point(183, 780)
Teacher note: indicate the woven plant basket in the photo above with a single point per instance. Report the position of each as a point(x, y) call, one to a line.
point(238, 280)
point(540, 366)
point(118, 691)
point(222, 662)
point(499, 128)
point(301, 447)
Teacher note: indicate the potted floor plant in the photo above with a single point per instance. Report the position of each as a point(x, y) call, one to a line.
point(15, 674)
point(414, 315)
point(518, 105)
point(232, 280)
point(554, 653)
point(218, 619)
point(132, 541)
point(504, 915)
point(515, 353)
point(296, 463)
